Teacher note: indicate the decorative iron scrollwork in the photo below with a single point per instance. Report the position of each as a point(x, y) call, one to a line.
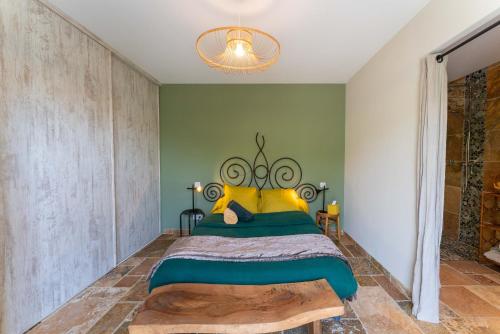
point(236, 171)
point(260, 166)
point(308, 192)
point(283, 173)
point(213, 191)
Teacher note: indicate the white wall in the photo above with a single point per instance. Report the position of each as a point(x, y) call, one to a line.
point(381, 133)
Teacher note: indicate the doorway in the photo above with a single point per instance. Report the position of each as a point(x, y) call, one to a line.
point(471, 217)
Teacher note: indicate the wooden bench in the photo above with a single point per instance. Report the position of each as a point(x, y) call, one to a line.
point(214, 308)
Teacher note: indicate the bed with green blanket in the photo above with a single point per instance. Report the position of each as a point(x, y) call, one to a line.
point(184, 270)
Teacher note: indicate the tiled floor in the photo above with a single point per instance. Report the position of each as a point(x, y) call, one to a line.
point(470, 299)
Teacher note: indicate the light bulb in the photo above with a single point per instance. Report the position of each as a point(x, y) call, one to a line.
point(239, 51)
point(197, 186)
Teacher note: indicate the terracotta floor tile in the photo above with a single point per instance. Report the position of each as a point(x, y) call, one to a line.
point(493, 324)
point(155, 249)
point(347, 326)
point(138, 293)
point(344, 250)
point(123, 329)
point(406, 306)
point(127, 281)
point(472, 325)
point(489, 293)
point(349, 313)
point(494, 277)
point(103, 308)
point(379, 267)
point(108, 293)
point(450, 276)
point(347, 240)
point(446, 312)
point(113, 276)
point(136, 309)
point(144, 267)
point(392, 290)
point(430, 328)
point(469, 267)
point(132, 261)
point(112, 319)
point(74, 317)
point(365, 280)
point(167, 237)
point(363, 266)
point(81, 313)
point(379, 313)
point(466, 303)
point(356, 251)
point(483, 279)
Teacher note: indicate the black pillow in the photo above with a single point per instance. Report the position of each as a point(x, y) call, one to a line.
point(243, 214)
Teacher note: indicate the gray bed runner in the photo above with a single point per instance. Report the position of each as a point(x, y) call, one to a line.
point(259, 249)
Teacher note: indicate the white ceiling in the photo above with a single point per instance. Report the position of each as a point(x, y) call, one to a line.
point(322, 41)
point(478, 54)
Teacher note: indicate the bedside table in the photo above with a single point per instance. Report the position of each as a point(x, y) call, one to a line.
point(326, 219)
point(190, 213)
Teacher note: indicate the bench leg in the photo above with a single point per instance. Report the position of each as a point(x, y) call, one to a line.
point(315, 327)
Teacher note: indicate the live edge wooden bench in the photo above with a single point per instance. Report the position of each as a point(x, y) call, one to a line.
point(214, 308)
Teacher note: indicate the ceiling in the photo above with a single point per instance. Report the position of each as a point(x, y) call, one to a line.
point(322, 41)
point(478, 54)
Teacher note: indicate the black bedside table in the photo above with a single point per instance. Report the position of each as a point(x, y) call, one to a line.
point(190, 213)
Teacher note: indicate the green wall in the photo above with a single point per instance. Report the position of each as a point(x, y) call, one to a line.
point(202, 125)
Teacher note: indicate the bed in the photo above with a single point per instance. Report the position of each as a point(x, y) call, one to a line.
point(272, 273)
point(334, 269)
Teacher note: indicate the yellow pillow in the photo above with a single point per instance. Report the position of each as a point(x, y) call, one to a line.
point(278, 200)
point(303, 206)
point(219, 206)
point(248, 197)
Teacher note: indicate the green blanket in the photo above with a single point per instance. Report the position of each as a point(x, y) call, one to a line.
point(333, 269)
point(264, 225)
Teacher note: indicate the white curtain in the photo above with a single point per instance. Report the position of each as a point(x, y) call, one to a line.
point(430, 187)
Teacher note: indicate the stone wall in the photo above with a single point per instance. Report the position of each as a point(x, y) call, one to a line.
point(474, 113)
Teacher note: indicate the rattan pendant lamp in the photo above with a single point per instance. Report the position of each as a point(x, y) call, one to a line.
point(237, 49)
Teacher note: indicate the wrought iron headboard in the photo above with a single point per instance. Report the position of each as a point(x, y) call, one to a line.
point(282, 173)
